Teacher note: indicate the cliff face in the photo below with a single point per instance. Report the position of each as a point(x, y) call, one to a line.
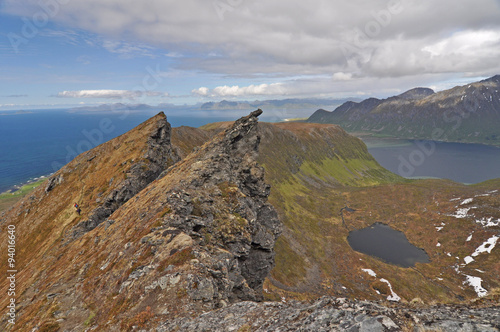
point(155, 239)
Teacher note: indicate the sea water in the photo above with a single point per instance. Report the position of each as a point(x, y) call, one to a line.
point(38, 143)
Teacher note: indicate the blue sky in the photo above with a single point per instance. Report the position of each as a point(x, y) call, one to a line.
point(62, 53)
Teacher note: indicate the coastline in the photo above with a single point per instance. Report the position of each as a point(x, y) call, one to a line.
point(17, 192)
point(31, 181)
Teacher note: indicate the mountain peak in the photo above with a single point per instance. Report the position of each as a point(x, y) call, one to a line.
point(416, 93)
point(154, 231)
point(420, 113)
point(495, 79)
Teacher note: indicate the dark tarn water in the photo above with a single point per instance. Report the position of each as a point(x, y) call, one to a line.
point(466, 163)
point(391, 246)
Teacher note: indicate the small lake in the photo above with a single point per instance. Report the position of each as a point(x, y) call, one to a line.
point(460, 162)
point(389, 245)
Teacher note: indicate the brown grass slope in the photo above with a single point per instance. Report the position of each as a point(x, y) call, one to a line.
point(100, 279)
point(44, 220)
point(161, 254)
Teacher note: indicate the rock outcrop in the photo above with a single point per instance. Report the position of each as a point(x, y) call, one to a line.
point(338, 314)
point(159, 155)
point(220, 199)
point(157, 237)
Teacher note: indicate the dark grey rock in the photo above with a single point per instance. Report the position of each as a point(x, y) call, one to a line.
point(54, 181)
point(331, 314)
point(223, 203)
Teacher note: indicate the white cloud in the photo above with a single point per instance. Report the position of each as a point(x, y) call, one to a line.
point(110, 94)
point(173, 55)
point(156, 94)
point(84, 59)
point(127, 50)
point(466, 43)
point(203, 91)
point(340, 76)
point(288, 37)
point(423, 42)
point(244, 91)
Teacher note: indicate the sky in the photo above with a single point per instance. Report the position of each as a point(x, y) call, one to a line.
point(62, 53)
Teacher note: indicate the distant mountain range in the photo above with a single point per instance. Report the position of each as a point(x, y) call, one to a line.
point(122, 106)
point(286, 104)
point(469, 113)
point(295, 103)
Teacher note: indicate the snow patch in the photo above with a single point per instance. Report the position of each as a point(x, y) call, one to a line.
point(466, 201)
point(469, 238)
point(370, 272)
point(486, 246)
point(438, 244)
point(468, 259)
point(475, 282)
point(488, 222)
point(460, 213)
point(393, 297)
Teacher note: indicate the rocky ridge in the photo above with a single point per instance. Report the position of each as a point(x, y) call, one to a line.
point(157, 158)
point(199, 236)
point(338, 314)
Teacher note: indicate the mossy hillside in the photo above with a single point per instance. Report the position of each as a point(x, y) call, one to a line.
point(417, 208)
point(314, 172)
point(323, 152)
point(185, 139)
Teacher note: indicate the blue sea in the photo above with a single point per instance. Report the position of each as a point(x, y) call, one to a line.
point(39, 142)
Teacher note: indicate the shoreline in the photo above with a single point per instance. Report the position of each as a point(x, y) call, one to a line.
point(15, 188)
point(367, 137)
point(17, 192)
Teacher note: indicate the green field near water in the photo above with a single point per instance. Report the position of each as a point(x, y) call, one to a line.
point(9, 198)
